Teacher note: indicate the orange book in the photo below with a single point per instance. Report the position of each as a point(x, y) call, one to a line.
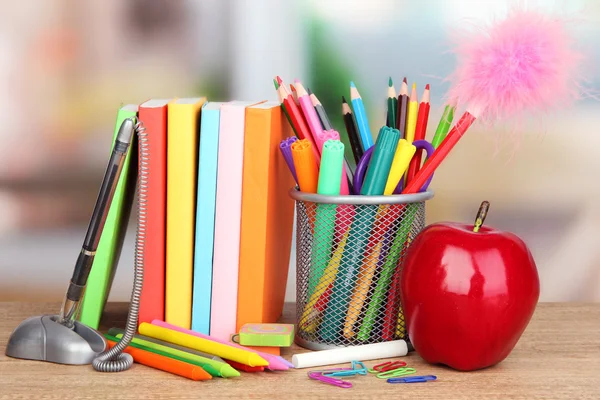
point(267, 217)
point(153, 114)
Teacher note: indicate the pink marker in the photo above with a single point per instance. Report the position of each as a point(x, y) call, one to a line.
point(275, 363)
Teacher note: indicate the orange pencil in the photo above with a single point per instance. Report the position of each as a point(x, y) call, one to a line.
point(420, 131)
point(306, 166)
point(166, 364)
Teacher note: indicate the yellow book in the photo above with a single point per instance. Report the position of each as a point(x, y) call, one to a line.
point(182, 154)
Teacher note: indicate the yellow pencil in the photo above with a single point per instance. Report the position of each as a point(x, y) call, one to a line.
point(411, 119)
point(308, 321)
point(204, 345)
point(361, 290)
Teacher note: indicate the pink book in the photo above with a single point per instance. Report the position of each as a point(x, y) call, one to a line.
point(227, 219)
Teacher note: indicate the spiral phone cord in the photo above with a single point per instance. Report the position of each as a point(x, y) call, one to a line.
point(114, 360)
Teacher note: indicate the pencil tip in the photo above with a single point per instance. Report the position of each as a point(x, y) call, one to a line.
point(405, 81)
point(414, 86)
point(309, 91)
point(279, 80)
point(390, 83)
point(344, 99)
point(352, 84)
point(276, 84)
point(427, 87)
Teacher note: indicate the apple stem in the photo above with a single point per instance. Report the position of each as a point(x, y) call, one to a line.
point(481, 214)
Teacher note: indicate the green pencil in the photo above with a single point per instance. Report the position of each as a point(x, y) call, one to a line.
point(444, 125)
point(225, 370)
point(211, 370)
point(392, 105)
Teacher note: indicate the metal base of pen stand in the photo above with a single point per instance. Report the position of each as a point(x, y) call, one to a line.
point(349, 252)
point(42, 338)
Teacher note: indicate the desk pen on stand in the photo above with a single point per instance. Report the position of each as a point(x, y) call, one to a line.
point(72, 301)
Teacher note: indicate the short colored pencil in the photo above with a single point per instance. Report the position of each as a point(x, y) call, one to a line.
point(163, 363)
point(361, 118)
point(204, 345)
point(352, 131)
point(275, 363)
point(392, 105)
point(325, 123)
point(213, 367)
point(420, 132)
point(402, 113)
point(243, 367)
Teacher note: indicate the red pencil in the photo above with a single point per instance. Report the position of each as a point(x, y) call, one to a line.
point(420, 131)
point(243, 367)
point(296, 117)
point(393, 300)
point(440, 153)
point(294, 94)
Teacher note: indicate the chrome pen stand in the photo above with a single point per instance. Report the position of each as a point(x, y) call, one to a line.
point(43, 338)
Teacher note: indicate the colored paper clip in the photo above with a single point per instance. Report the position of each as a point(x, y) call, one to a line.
point(318, 375)
point(413, 379)
point(387, 366)
point(353, 370)
point(396, 372)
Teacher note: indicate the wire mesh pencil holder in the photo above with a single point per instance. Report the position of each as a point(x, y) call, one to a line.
point(349, 252)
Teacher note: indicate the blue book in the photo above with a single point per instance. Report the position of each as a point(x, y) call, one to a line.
point(205, 216)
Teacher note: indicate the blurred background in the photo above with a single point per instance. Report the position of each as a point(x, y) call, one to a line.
point(67, 66)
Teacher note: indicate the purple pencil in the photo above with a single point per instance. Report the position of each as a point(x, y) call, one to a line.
point(286, 149)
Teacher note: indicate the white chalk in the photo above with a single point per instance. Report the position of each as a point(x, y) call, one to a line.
point(375, 351)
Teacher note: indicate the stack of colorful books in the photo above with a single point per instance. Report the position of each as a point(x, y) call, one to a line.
point(219, 223)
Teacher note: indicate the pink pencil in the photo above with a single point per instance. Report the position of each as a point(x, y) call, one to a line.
point(310, 114)
point(275, 363)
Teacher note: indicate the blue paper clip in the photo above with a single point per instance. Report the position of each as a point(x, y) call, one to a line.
point(396, 372)
point(413, 379)
point(362, 370)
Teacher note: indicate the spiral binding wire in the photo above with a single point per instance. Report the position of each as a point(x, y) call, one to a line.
point(114, 360)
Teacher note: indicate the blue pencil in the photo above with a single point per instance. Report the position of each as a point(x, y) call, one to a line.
point(361, 118)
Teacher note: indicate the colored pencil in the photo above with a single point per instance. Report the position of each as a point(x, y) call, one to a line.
point(411, 119)
point(444, 124)
point(440, 153)
point(297, 119)
point(361, 118)
point(294, 94)
point(287, 115)
point(392, 105)
point(163, 363)
point(420, 131)
point(402, 113)
point(325, 123)
point(312, 119)
point(244, 367)
point(352, 130)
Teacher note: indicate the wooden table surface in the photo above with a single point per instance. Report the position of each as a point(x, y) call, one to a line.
point(558, 357)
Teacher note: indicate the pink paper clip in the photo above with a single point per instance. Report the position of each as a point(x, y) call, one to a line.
point(318, 375)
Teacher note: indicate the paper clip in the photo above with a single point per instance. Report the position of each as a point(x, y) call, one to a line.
point(387, 366)
point(362, 370)
point(318, 375)
point(413, 379)
point(396, 372)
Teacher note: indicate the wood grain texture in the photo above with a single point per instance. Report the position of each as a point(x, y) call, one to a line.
point(558, 357)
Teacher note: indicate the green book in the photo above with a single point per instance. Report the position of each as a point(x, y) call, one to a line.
point(111, 241)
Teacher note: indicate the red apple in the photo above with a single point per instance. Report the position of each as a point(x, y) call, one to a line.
point(467, 296)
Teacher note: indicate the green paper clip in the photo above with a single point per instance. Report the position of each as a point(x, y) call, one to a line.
point(396, 372)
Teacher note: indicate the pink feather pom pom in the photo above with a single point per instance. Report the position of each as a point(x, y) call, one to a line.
point(525, 63)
